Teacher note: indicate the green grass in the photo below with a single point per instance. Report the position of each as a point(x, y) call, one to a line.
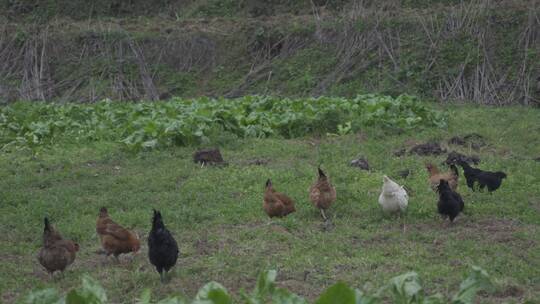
point(217, 218)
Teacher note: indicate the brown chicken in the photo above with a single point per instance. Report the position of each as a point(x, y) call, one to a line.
point(115, 239)
point(275, 203)
point(322, 194)
point(435, 176)
point(57, 253)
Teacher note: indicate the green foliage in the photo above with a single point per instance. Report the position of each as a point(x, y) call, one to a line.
point(339, 293)
point(404, 289)
point(407, 288)
point(43, 296)
point(477, 280)
point(192, 121)
point(89, 293)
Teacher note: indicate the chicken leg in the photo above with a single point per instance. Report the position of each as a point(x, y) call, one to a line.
point(323, 215)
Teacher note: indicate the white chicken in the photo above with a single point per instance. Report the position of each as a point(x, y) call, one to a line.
point(393, 197)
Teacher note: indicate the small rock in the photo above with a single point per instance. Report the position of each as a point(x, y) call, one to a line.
point(209, 157)
point(429, 148)
point(404, 173)
point(361, 163)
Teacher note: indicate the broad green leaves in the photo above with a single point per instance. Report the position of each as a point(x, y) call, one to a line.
point(212, 293)
point(406, 288)
point(89, 293)
point(148, 125)
point(266, 291)
point(477, 280)
point(339, 293)
point(403, 289)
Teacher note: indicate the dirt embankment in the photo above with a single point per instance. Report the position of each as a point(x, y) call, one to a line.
point(477, 51)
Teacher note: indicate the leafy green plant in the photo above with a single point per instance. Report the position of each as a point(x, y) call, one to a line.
point(403, 289)
point(191, 121)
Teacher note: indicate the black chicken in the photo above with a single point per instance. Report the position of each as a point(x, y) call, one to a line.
point(450, 202)
point(491, 180)
point(162, 247)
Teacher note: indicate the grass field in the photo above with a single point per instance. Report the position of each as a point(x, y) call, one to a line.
point(217, 218)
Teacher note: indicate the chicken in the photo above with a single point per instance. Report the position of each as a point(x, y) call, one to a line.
point(162, 247)
point(275, 203)
point(322, 194)
point(57, 253)
point(393, 197)
point(450, 202)
point(435, 176)
point(470, 173)
point(115, 239)
point(492, 180)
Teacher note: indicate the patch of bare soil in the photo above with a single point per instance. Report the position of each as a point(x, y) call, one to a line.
point(9, 297)
point(506, 294)
point(455, 157)
point(487, 230)
point(473, 140)
point(509, 291)
point(429, 148)
point(204, 247)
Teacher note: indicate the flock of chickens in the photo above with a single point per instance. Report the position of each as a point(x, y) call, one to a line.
point(393, 197)
point(57, 253)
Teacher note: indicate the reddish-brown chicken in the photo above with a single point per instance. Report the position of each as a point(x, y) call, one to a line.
point(57, 253)
point(115, 239)
point(435, 176)
point(275, 203)
point(322, 194)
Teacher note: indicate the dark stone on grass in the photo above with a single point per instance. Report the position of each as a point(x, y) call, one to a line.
point(475, 140)
point(209, 157)
point(400, 152)
point(537, 159)
point(454, 157)
point(361, 163)
point(429, 148)
point(404, 173)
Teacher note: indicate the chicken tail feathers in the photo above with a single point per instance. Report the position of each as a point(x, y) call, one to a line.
point(157, 221)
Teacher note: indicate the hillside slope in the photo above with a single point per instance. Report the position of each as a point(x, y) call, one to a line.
point(481, 51)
